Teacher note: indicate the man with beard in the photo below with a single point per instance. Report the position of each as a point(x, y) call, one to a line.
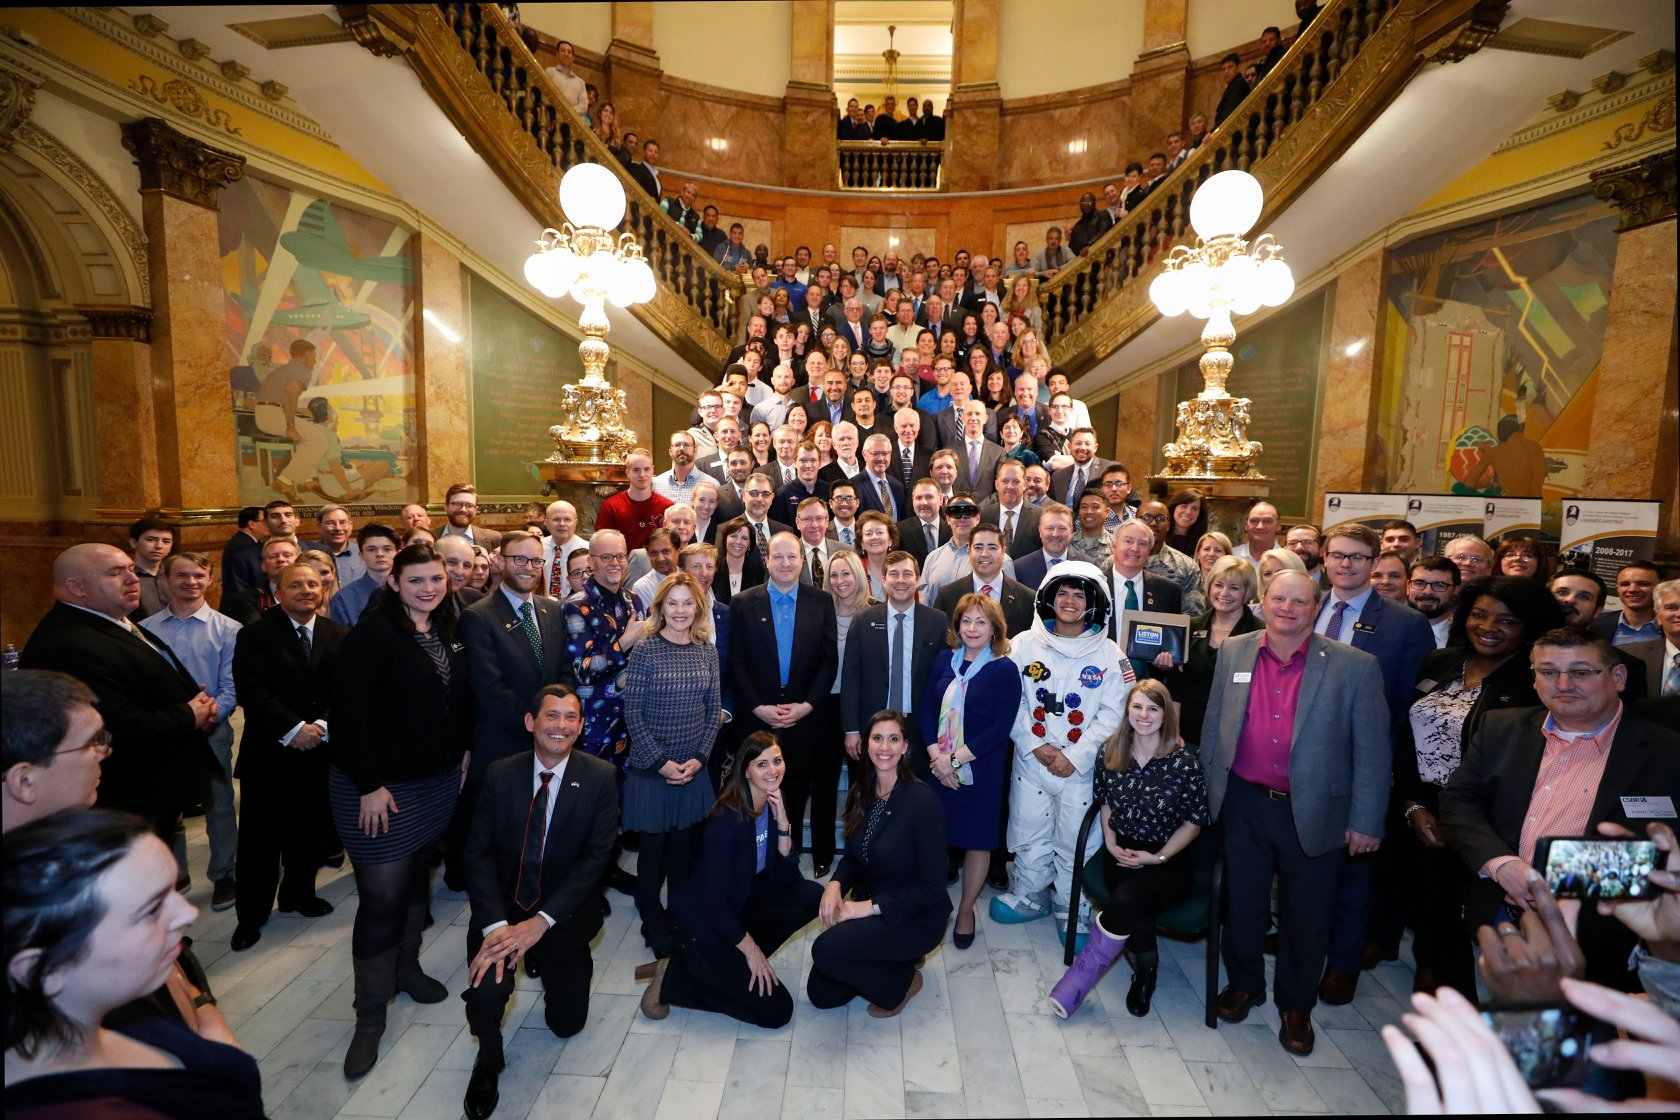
point(460, 505)
point(1433, 592)
point(1581, 594)
point(1302, 540)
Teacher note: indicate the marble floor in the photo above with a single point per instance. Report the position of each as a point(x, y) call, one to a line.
point(978, 1041)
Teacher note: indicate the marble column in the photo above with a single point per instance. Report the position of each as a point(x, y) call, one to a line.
point(1352, 382)
point(1636, 370)
point(973, 121)
point(180, 179)
point(633, 70)
point(1135, 429)
point(442, 371)
point(809, 158)
point(124, 420)
point(1160, 76)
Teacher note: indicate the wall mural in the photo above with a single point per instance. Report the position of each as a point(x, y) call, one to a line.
point(1494, 332)
point(320, 347)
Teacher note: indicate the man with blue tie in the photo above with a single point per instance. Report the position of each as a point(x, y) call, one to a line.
point(1027, 410)
point(878, 487)
point(783, 657)
point(1398, 637)
point(832, 406)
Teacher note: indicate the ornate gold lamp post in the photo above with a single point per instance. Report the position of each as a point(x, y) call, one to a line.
point(586, 260)
point(1223, 275)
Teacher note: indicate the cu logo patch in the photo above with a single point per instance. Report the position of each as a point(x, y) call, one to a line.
point(1036, 671)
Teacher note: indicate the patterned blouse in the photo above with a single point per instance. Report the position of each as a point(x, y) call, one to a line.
point(594, 621)
point(1148, 803)
point(1438, 729)
point(671, 702)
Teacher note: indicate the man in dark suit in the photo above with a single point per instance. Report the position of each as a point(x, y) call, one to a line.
point(1582, 761)
point(242, 554)
point(757, 495)
point(157, 715)
point(1008, 509)
point(1398, 637)
point(890, 651)
point(1134, 589)
point(282, 668)
point(1034, 417)
point(644, 170)
point(516, 644)
point(1293, 805)
point(783, 656)
point(948, 423)
point(878, 472)
point(1067, 484)
point(832, 406)
point(805, 484)
point(977, 455)
point(912, 454)
point(914, 531)
point(542, 834)
point(1055, 533)
point(985, 554)
point(248, 604)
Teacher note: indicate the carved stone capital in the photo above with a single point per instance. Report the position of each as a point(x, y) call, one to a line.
point(132, 324)
point(178, 165)
point(1644, 191)
point(17, 102)
point(1467, 36)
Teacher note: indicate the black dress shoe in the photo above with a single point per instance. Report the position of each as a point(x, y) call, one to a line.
point(530, 966)
point(1143, 987)
point(1338, 987)
point(483, 1094)
point(310, 907)
point(334, 861)
point(998, 878)
point(621, 880)
point(962, 940)
point(821, 870)
point(244, 937)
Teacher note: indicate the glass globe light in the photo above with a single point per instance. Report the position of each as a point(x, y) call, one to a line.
point(642, 285)
point(621, 292)
point(1277, 282)
point(1167, 293)
point(1227, 204)
point(592, 196)
point(1239, 280)
point(536, 271)
point(596, 272)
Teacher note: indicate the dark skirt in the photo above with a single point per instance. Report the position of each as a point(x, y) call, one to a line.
point(650, 805)
point(423, 811)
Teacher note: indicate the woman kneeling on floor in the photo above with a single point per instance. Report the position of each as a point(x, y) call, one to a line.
point(1154, 803)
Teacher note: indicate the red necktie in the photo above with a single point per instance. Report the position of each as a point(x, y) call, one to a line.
point(531, 851)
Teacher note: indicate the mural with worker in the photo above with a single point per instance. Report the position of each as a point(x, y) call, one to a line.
point(320, 343)
point(1492, 337)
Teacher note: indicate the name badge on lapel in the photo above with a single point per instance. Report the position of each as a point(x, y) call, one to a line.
point(1364, 627)
point(1241, 678)
point(1648, 808)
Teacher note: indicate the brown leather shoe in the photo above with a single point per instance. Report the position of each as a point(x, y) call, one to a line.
point(1296, 1032)
point(1337, 987)
point(1375, 954)
point(1233, 1004)
point(888, 1012)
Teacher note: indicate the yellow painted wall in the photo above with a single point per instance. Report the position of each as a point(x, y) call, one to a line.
point(1214, 26)
point(1050, 47)
point(584, 25)
point(106, 59)
point(740, 46)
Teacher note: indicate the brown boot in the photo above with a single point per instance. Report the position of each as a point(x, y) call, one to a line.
point(1296, 1032)
point(888, 1013)
point(1338, 987)
point(1234, 1003)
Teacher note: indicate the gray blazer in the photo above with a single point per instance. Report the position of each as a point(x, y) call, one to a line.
point(1650, 654)
point(1341, 759)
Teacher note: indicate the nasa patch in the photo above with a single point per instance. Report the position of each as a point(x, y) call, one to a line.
point(1091, 676)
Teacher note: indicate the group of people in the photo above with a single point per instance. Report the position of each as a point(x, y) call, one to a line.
point(693, 678)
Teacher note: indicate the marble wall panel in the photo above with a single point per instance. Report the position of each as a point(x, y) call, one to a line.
point(1135, 428)
point(1064, 139)
point(1352, 380)
point(1636, 368)
point(124, 424)
point(720, 134)
point(907, 240)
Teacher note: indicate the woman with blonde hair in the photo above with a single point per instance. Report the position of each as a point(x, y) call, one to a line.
point(1154, 803)
point(672, 678)
point(606, 125)
point(1210, 546)
point(1273, 561)
point(327, 569)
point(1020, 303)
point(877, 535)
point(848, 585)
point(1231, 586)
point(967, 714)
point(1027, 347)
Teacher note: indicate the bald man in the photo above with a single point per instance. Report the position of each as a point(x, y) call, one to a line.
point(157, 715)
point(562, 540)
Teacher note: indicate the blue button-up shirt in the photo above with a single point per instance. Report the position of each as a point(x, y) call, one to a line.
point(783, 606)
point(204, 643)
point(1626, 635)
point(347, 560)
point(352, 599)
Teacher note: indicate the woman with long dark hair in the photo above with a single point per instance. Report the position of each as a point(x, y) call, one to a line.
point(1483, 668)
point(740, 566)
point(93, 922)
point(894, 870)
point(1187, 518)
point(744, 899)
point(1521, 558)
point(400, 727)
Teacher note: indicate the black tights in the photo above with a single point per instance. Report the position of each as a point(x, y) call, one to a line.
point(665, 859)
point(385, 891)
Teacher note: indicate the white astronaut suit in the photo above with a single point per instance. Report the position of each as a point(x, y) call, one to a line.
point(1073, 698)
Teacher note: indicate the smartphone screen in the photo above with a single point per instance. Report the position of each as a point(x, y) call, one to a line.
point(1597, 870)
point(1549, 1044)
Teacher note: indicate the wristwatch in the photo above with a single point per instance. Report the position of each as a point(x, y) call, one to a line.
point(203, 999)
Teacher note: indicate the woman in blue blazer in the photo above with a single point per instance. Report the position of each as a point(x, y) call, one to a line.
point(894, 870)
point(743, 899)
point(967, 714)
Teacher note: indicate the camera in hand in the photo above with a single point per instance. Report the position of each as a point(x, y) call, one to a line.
point(1596, 869)
point(1548, 1042)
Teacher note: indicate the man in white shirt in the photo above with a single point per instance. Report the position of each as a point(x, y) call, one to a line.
point(1260, 532)
point(561, 542)
point(904, 332)
point(677, 484)
point(1007, 508)
point(950, 561)
point(1055, 532)
point(710, 407)
point(572, 87)
point(843, 500)
point(811, 519)
point(728, 439)
point(773, 410)
point(1057, 382)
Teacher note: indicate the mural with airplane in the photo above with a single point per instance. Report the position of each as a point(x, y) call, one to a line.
point(320, 347)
